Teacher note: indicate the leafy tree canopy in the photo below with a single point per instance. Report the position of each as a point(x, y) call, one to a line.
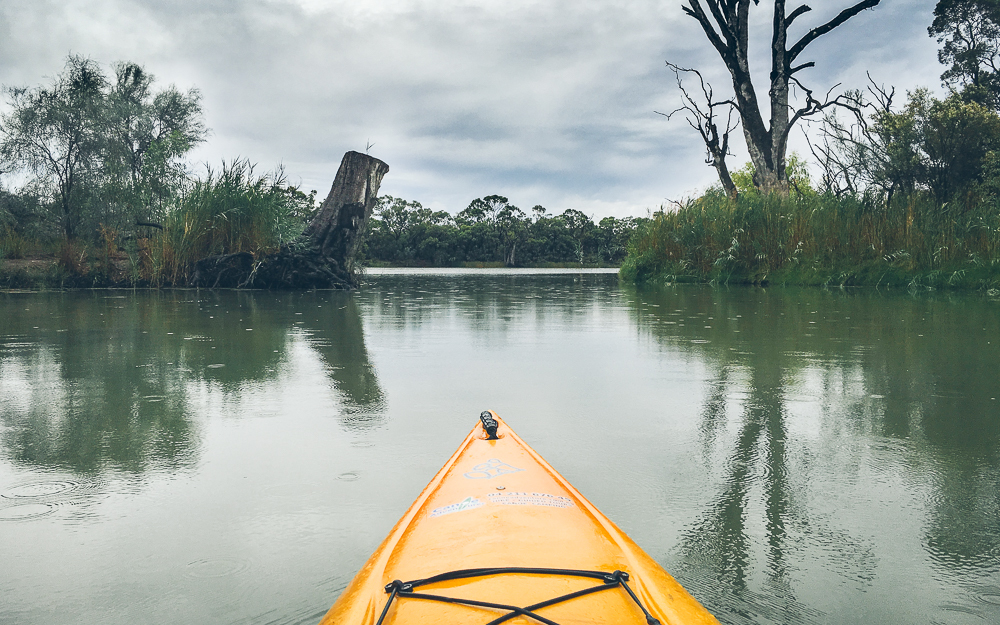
point(99, 150)
point(969, 34)
point(491, 229)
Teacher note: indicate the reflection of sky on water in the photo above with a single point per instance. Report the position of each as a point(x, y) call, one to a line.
point(791, 456)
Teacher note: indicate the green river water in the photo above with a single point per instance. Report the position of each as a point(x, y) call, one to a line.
point(790, 455)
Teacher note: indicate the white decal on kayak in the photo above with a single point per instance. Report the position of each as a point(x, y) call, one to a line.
point(468, 503)
point(531, 499)
point(490, 469)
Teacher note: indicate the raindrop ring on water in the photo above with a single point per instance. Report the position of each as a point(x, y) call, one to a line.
point(205, 569)
point(40, 489)
point(26, 511)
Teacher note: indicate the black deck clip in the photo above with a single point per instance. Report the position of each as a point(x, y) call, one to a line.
point(489, 424)
point(398, 586)
point(615, 578)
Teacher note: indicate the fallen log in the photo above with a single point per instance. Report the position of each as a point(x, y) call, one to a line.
point(322, 257)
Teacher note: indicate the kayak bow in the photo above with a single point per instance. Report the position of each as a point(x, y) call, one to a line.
point(499, 536)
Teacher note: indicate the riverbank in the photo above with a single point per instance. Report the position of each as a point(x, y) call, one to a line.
point(47, 271)
point(375, 264)
point(820, 240)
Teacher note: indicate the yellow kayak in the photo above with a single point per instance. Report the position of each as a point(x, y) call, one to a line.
point(498, 536)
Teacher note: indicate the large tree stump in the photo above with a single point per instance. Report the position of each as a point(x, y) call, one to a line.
point(323, 256)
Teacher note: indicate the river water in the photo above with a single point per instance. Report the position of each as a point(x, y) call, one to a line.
point(791, 456)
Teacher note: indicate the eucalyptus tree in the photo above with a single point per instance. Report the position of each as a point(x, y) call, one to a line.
point(54, 134)
point(613, 237)
point(101, 151)
point(726, 24)
point(503, 224)
point(147, 133)
point(969, 34)
point(580, 227)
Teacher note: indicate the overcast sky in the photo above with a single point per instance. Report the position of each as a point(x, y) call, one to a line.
point(546, 102)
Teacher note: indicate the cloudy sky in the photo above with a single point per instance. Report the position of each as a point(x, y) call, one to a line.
point(546, 102)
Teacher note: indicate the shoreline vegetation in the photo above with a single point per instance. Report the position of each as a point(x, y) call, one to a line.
point(803, 239)
point(96, 191)
point(46, 272)
point(820, 240)
point(487, 265)
point(907, 193)
point(236, 210)
point(230, 211)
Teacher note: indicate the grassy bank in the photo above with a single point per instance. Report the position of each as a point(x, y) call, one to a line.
point(486, 265)
point(231, 210)
point(821, 240)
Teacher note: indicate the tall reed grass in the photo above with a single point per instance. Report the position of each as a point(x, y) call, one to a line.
point(14, 244)
point(229, 211)
point(821, 239)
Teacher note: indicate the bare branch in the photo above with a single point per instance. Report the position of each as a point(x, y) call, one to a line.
point(883, 97)
point(812, 107)
point(801, 67)
point(819, 31)
point(696, 11)
point(701, 117)
point(797, 12)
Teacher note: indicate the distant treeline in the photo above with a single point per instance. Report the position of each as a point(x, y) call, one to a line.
point(493, 231)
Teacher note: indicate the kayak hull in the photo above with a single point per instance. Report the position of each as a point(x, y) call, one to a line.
point(497, 503)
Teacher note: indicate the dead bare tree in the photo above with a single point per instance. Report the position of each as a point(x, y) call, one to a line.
point(726, 24)
point(701, 117)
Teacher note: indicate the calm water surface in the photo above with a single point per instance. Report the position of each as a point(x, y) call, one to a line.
point(792, 456)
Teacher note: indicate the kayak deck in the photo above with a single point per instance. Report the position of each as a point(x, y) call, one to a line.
point(499, 536)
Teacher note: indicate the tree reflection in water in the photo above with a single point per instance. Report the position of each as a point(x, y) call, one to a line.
point(879, 378)
point(94, 381)
point(344, 352)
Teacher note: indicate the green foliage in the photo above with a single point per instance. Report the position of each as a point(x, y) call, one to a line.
point(24, 214)
point(147, 135)
point(54, 133)
point(946, 140)
point(930, 145)
point(495, 226)
point(303, 206)
point(98, 151)
point(796, 171)
point(13, 244)
point(490, 230)
point(820, 239)
point(230, 211)
point(969, 34)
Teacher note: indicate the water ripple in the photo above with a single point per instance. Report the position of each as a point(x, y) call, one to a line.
point(34, 490)
point(220, 567)
point(27, 511)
